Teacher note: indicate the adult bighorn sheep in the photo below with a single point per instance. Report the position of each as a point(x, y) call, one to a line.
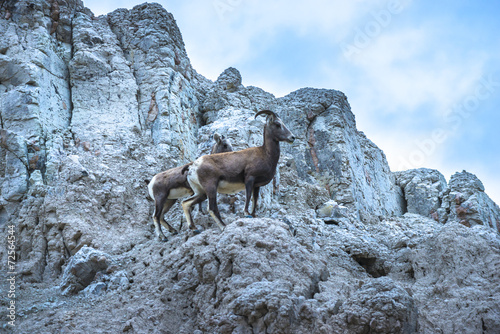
point(168, 186)
point(229, 173)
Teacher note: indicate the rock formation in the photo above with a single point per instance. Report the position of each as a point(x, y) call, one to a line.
point(465, 200)
point(423, 190)
point(92, 107)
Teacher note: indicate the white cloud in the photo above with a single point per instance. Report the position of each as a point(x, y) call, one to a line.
point(233, 32)
point(408, 66)
point(401, 85)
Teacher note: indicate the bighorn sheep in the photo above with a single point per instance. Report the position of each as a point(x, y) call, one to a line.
point(229, 173)
point(168, 186)
point(221, 144)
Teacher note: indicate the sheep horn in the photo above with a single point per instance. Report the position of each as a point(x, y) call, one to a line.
point(267, 112)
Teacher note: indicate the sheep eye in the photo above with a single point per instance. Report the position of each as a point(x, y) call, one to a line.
point(278, 125)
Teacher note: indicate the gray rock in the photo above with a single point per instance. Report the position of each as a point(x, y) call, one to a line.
point(423, 190)
point(36, 178)
point(466, 202)
point(229, 80)
point(332, 213)
point(330, 150)
point(14, 163)
point(82, 269)
point(155, 52)
point(119, 281)
point(95, 289)
point(449, 278)
point(98, 64)
point(380, 306)
point(75, 170)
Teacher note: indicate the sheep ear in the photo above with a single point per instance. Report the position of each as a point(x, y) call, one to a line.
point(217, 137)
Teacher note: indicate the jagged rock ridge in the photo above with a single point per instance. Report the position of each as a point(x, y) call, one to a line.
point(91, 107)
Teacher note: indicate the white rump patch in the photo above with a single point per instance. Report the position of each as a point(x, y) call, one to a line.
point(175, 193)
point(192, 176)
point(150, 188)
point(225, 187)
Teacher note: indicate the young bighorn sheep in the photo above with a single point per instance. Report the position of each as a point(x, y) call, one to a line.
point(168, 186)
point(221, 144)
point(229, 173)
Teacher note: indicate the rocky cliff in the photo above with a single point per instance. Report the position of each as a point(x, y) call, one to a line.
point(92, 107)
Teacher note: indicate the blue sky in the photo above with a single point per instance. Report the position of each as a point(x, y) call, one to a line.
point(422, 77)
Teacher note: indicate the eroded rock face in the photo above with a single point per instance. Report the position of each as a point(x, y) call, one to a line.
point(165, 79)
point(249, 273)
point(35, 98)
point(111, 117)
point(380, 307)
point(423, 190)
point(91, 108)
point(229, 80)
point(76, 147)
point(462, 200)
point(331, 151)
point(465, 201)
point(451, 279)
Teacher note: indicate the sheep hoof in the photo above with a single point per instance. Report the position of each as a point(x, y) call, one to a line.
point(164, 240)
point(248, 216)
point(196, 232)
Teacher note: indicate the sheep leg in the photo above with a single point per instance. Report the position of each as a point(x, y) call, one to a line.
point(213, 210)
point(158, 231)
point(188, 203)
point(248, 192)
point(158, 216)
point(168, 204)
point(254, 200)
point(200, 209)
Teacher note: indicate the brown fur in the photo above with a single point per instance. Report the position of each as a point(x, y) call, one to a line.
point(221, 144)
point(170, 179)
point(164, 184)
point(254, 167)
